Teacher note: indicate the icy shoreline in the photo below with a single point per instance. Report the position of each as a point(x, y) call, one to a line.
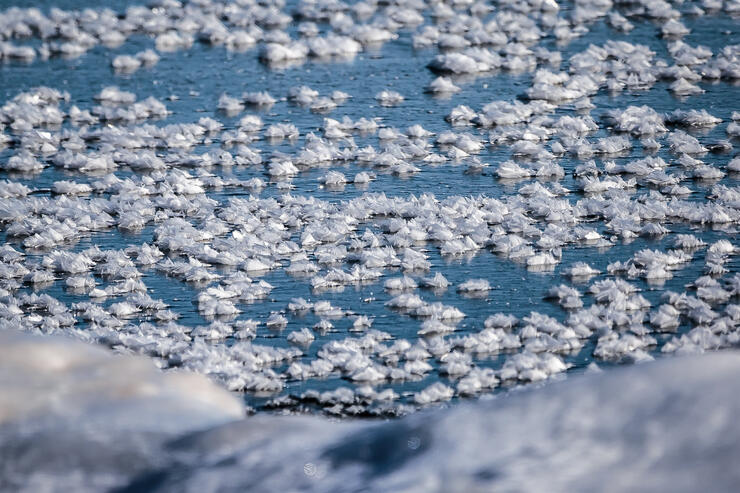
point(73, 417)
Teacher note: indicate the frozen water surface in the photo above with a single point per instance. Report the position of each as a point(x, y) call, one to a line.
point(370, 208)
point(259, 193)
